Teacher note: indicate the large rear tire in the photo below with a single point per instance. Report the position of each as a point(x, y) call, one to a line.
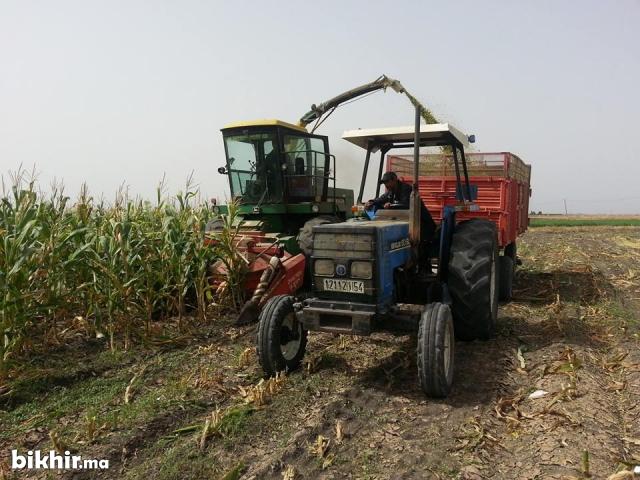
point(435, 350)
point(473, 279)
point(305, 236)
point(281, 339)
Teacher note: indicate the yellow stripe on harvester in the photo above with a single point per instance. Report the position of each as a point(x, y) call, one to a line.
point(263, 123)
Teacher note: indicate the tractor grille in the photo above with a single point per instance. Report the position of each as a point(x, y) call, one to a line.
point(346, 267)
point(343, 245)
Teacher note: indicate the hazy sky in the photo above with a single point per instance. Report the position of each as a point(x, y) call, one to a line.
point(124, 91)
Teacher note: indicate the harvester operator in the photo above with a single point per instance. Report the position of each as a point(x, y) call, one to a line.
point(398, 196)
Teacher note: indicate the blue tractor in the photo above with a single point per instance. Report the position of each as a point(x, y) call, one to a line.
point(374, 272)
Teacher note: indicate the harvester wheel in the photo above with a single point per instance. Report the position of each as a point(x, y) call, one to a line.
point(435, 350)
point(507, 271)
point(305, 237)
point(281, 338)
point(473, 279)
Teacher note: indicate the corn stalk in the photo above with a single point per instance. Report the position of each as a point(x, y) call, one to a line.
point(120, 266)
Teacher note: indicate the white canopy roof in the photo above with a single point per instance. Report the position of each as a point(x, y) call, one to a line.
point(432, 131)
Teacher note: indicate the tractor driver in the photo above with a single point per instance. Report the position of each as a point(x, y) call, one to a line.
point(398, 196)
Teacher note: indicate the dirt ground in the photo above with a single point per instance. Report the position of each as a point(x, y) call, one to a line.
point(356, 411)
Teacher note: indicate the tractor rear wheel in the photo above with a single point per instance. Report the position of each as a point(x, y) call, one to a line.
point(435, 350)
point(507, 271)
point(281, 339)
point(305, 237)
point(473, 279)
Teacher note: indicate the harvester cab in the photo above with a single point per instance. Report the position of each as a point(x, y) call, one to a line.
point(281, 175)
point(374, 275)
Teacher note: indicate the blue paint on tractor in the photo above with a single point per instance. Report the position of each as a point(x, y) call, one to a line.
point(388, 248)
point(393, 250)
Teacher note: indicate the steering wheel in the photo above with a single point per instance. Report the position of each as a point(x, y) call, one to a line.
point(252, 164)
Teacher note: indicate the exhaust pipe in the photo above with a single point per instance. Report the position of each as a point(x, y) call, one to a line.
point(414, 207)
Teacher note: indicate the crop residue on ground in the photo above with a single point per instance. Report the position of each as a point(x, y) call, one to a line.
point(554, 395)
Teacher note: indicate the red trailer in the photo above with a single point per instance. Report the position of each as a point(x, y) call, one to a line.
point(502, 179)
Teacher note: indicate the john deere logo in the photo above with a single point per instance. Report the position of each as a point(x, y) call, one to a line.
point(341, 270)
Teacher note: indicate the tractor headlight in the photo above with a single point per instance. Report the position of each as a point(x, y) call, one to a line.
point(323, 267)
point(361, 269)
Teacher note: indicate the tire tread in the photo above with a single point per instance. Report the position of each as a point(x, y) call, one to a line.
point(473, 251)
point(268, 336)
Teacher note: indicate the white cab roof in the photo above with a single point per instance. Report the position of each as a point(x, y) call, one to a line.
point(432, 131)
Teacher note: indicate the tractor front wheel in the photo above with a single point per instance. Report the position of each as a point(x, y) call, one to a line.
point(435, 350)
point(281, 338)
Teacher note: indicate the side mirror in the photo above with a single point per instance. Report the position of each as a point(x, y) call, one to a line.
point(222, 170)
point(472, 139)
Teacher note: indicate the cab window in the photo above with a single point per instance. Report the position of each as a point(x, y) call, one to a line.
point(253, 167)
point(305, 159)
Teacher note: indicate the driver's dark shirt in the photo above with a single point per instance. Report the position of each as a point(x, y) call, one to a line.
point(402, 197)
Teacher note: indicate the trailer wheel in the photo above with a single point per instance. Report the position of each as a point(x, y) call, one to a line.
point(281, 338)
point(473, 279)
point(305, 236)
point(507, 271)
point(435, 350)
point(511, 250)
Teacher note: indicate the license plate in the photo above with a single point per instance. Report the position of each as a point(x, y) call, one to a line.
point(347, 286)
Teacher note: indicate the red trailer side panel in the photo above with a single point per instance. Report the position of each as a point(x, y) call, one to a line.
point(503, 188)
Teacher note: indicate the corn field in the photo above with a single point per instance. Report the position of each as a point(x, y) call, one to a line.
point(117, 268)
